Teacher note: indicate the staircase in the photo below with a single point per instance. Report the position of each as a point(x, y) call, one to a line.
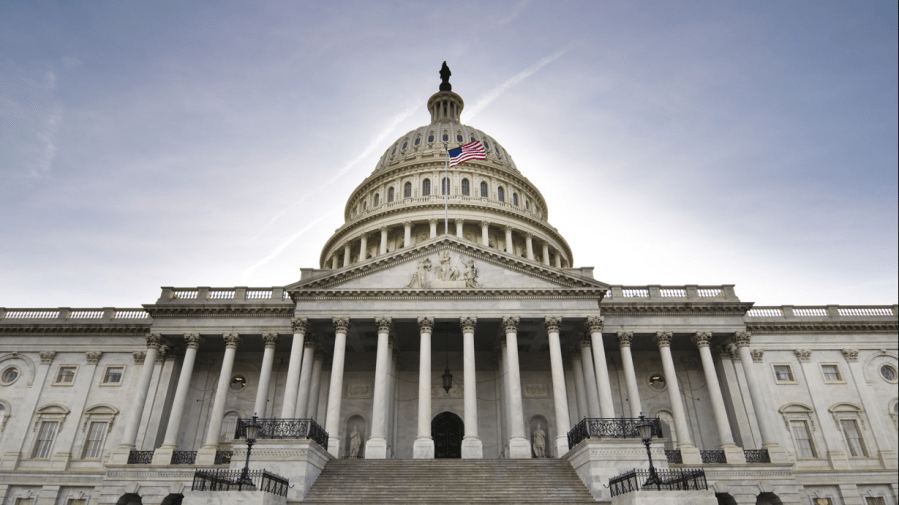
point(449, 481)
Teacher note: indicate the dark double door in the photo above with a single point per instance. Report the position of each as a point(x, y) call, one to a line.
point(447, 429)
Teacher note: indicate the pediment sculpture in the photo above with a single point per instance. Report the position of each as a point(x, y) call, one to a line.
point(446, 275)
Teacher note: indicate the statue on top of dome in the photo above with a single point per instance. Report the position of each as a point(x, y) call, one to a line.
point(444, 77)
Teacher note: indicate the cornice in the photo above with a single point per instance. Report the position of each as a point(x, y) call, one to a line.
point(823, 327)
point(51, 478)
point(76, 329)
point(208, 310)
point(676, 309)
point(448, 294)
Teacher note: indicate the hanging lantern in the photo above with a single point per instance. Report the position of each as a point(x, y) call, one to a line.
point(447, 380)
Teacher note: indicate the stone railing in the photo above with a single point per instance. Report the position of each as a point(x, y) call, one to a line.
point(671, 293)
point(222, 295)
point(106, 314)
point(797, 313)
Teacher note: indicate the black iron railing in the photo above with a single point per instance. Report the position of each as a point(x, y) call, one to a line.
point(674, 456)
point(223, 457)
point(230, 480)
point(140, 457)
point(611, 427)
point(715, 456)
point(285, 428)
point(184, 457)
point(672, 479)
point(757, 456)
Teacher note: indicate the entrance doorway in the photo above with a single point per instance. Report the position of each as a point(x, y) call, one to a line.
point(447, 429)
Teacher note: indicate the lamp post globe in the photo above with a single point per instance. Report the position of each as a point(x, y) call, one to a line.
point(644, 428)
point(251, 431)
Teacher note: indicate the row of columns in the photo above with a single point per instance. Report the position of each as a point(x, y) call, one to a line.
point(407, 242)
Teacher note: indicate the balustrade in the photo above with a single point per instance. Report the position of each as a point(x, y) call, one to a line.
point(230, 480)
point(279, 428)
point(184, 457)
point(140, 457)
point(615, 427)
point(713, 456)
point(679, 479)
point(757, 455)
point(674, 456)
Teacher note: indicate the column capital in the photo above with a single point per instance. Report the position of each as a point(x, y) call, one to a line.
point(595, 323)
point(702, 338)
point(575, 354)
point(318, 354)
point(385, 324)
point(723, 352)
point(584, 339)
point(625, 338)
point(47, 356)
point(468, 324)
point(662, 338)
point(270, 340)
point(310, 341)
point(299, 324)
point(383, 229)
point(742, 338)
point(93, 357)
point(426, 325)
point(507, 228)
point(528, 235)
point(851, 355)
point(432, 221)
point(231, 340)
point(164, 352)
point(407, 224)
point(484, 224)
point(341, 324)
point(552, 324)
point(193, 340)
point(154, 340)
point(803, 355)
point(757, 355)
point(138, 356)
point(459, 221)
point(510, 324)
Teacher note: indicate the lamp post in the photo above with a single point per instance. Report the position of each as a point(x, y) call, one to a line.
point(251, 431)
point(644, 427)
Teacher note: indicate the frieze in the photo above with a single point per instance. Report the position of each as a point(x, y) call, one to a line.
point(446, 274)
point(653, 309)
point(358, 391)
point(286, 310)
point(454, 294)
point(535, 390)
point(76, 330)
point(823, 327)
point(25, 479)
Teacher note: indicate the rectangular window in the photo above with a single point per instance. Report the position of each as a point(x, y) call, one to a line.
point(874, 500)
point(805, 448)
point(831, 373)
point(77, 501)
point(45, 439)
point(113, 375)
point(66, 375)
point(93, 445)
point(853, 438)
point(24, 501)
point(783, 373)
point(822, 501)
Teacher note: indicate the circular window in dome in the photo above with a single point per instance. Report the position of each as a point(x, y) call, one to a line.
point(657, 382)
point(888, 373)
point(459, 138)
point(9, 376)
point(238, 383)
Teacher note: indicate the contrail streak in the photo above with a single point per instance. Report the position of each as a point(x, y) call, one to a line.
point(278, 250)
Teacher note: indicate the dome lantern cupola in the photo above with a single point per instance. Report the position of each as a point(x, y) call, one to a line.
point(445, 106)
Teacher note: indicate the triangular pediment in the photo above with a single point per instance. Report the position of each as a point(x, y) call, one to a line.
point(447, 265)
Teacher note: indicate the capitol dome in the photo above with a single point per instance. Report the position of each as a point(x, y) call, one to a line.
point(406, 198)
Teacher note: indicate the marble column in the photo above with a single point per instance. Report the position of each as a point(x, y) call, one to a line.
point(391, 398)
point(206, 455)
point(471, 442)
point(560, 393)
point(163, 455)
point(519, 446)
point(887, 454)
point(334, 261)
point(485, 236)
point(363, 246)
point(529, 243)
point(759, 400)
point(433, 224)
point(423, 447)
point(558, 259)
point(589, 377)
point(580, 389)
point(510, 249)
point(129, 437)
point(689, 453)
point(732, 452)
point(302, 409)
point(383, 246)
point(346, 254)
point(546, 254)
point(315, 387)
point(459, 226)
point(335, 389)
point(299, 325)
point(376, 446)
point(265, 373)
point(504, 392)
point(594, 325)
point(407, 235)
point(630, 378)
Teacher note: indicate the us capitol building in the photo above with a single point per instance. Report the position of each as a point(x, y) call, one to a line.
point(447, 350)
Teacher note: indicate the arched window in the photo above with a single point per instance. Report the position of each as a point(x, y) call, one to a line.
point(484, 193)
point(445, 186)
point(417, 140)
point(364, 205)
point(426, 187)
point(515, 199)
point(407, 190)
point(459, 138)
point(500, 195)
point(465, 190)
point(389, 195)
point(377, 199)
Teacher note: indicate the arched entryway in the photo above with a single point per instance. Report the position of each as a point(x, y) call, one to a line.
point(447, 429)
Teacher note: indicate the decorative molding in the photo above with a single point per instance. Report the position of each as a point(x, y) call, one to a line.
point(232, 340)
point(702, 338)
point(341, 324)
point(40, 329)
point(625, 338)
point(595, 324)
point(154, 340)
point(742, 338)
point(552, 324)
point(468, 324)
point(662, 338)
point(164, 352)
point(193, 340)
point(803, 355)
point(757, 355)
point(310, 341)
point(535, 390)
point(851, 355)
point(510, 324)
point(282, 309)
point(823, 327)
point(139, 357)
point(426, 325)
point(584, 340)
point(47, 357)
point(270, 340)
point(299, 325)
point(384, 324)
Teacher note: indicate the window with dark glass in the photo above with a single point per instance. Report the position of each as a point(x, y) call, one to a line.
point(430, 138)
point(515, 199)
point(465, 188)
point(389, 195)
point(459, 138)
point(484, 193)
point(113, 375)
point(405, 145)
point(417, 140)
point(445, 137)
point(426, 187)
point(500, 195)
point(407, 190)
point(66, 375)
point(377, 200)
point(853, 438)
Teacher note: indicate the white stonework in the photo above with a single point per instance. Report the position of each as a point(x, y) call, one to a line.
point(110, 404)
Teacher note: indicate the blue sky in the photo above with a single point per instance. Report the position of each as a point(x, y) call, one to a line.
point(159, 143)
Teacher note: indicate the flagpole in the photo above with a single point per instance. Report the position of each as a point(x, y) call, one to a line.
point(446, 197)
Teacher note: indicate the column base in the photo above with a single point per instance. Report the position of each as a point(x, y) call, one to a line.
point(776, 454)
point(120, 455)
point(423, 448)
point(206, 455)
point(519, 448)
point(690, 454)
point(376, 448)
point(163, 455)
point(561, 446)
point(472, 448)
point(334, 445)
point(733, 454)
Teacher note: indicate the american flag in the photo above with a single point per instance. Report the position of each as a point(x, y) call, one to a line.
point(465, 152)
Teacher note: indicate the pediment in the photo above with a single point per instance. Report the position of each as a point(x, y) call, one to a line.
point(447, 265)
